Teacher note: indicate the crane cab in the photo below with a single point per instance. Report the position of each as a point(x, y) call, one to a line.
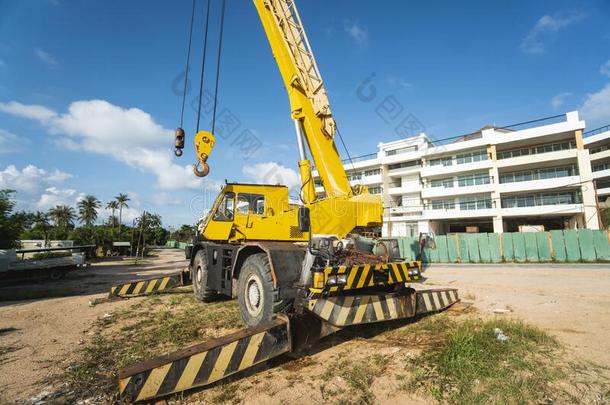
point(247, 212)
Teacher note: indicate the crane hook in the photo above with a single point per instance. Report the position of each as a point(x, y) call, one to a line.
point(205, 169)
point(179, 141)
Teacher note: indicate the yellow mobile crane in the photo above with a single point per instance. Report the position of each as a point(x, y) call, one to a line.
point(298, 272)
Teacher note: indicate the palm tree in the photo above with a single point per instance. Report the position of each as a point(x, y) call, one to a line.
point(41, 222)
point(112, 205)
point(87, 209)
point(121, 200)
point(63, 216)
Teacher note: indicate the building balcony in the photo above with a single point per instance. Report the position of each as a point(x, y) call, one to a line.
point(458, 213)
point(440, 170)
point(603, 191)
point(404, 171)
point(600, 155)
point(601, 173)
point(406, 209)
point(538, 210)
point(404, 189)
point(415, 216)
point(538, 158)
point(433, 192)
point(544, 184)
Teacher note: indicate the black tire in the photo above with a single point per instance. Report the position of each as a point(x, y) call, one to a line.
point(258, 299)
point(199, 275)
point(57, 274)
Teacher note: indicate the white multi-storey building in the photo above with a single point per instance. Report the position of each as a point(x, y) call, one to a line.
point(546, 174)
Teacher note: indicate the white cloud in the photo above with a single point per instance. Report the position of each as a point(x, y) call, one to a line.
point(53, 196)
point(129, 135)
point(30, 179)
point(605, 68)
point(545, 29)
point(558, 100)
point(273, 173)
point(11, 143)
point(46, 58)
point(38, 189)
point(358, 33)
point(33, 112)
point(596, 107)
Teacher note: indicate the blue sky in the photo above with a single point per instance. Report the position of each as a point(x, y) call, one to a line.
point(90, 90)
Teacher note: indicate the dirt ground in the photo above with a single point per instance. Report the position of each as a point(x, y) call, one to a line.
point(41, 336)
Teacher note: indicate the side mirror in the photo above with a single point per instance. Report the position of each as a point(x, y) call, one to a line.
point(304, 220)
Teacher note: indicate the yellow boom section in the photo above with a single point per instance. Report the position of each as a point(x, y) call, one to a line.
point(306, 92)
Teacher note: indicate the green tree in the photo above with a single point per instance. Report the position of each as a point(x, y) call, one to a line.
point(605, 214)
point(42, 225)
point(113, 206)
point(63, 216)
point(11, 225)
point(87, 209)
point(121, 200)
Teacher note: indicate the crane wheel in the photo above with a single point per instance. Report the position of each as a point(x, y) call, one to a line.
point(199, 275)
point(258, 299)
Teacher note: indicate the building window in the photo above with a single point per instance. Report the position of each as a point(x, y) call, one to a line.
point(534, 200)
point(404, 164)
point(441, 161)
point(443, 204)
point(401, 150)
point(474, 203)
point(539, 174)
point(447, 183)
point(354, 176)
point(601, 166)
point(471, 157)
point(553, 147)
point(373, 172)
point(473, 179)
point(375, 190)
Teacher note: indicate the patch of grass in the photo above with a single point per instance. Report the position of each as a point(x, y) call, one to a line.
point(152, 327)
point(358, 374)
point(226, 394)
point(470, 366)
point(6, 349)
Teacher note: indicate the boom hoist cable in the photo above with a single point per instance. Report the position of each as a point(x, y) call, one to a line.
point(179, 138)
point(204, 140)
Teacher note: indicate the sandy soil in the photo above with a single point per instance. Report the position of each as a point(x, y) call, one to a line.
point(571, 302)
point(46, 333)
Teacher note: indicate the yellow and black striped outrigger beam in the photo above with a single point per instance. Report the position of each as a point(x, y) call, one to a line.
point(206, 363)
point(148, 286)
point(342, 311)
point(369, 275)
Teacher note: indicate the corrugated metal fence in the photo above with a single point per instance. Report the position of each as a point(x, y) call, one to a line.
point(555, 246)
point(175, 244)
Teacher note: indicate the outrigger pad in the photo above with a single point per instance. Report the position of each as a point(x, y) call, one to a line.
point(344, 311)
point(149, 286)
point(205, 363)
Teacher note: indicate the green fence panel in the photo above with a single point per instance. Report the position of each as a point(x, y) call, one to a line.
point(531, 247)
point(473, 248)
point(494, 248)
point(585, 240)
point(463, 244)
point(484, 253)
point(559, 246)
point(544, 246)
point(508, 252)
point(602, 247)
point(432, 254)
point(410, 248)
point(452, 248)
point(572, 248)
point(519, 247)
point(441, 247)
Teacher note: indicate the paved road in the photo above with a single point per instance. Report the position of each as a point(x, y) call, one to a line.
point(571, 301)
